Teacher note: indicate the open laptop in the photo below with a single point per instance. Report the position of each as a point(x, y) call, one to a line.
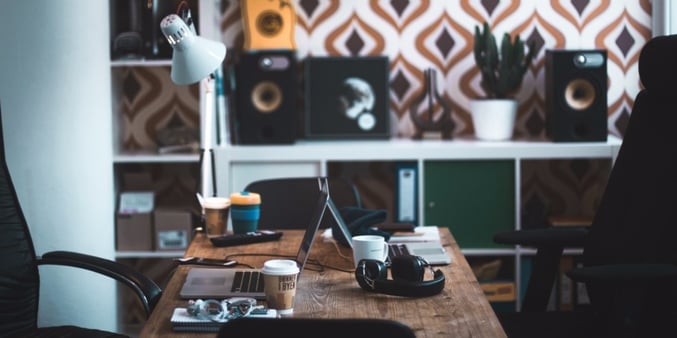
point(225, 283)
point(425, 243)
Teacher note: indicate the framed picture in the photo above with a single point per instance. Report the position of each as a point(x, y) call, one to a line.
point(347, 98)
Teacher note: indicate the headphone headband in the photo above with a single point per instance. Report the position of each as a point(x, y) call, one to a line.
point(407, 280)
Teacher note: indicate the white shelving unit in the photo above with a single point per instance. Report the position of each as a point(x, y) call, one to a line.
point(238, 165)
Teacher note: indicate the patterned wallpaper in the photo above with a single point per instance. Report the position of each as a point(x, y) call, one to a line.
point(438, 34)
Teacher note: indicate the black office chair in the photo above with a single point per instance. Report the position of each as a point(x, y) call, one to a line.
point(286, 203)
point(630, 250)
point(312, 328)
point(19, 275)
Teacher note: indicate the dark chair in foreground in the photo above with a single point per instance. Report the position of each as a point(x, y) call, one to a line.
point(19, 275)
point(312, 328)
point(630, 250)
point(287, 203)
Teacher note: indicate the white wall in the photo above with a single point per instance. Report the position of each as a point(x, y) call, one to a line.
point(56, 101)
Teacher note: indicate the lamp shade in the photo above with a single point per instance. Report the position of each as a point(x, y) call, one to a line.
point(194, 57)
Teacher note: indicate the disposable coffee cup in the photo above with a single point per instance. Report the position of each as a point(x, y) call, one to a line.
point(279, 283)
point(372, 247)
point(216, 215)
point(245, 211)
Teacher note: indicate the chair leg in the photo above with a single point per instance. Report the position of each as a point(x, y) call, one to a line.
point(544, 270)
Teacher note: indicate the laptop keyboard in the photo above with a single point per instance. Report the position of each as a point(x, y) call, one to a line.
point(248, 281)
point(396, 250)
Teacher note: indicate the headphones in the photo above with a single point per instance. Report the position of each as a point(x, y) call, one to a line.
point(407, 272)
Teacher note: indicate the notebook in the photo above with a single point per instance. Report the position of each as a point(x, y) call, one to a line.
point(184, 322)
point(424, 242)
point(225, 283)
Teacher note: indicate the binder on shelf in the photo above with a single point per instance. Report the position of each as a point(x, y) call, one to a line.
point(406, 203)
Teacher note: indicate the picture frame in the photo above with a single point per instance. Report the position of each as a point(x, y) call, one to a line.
point(347, 98)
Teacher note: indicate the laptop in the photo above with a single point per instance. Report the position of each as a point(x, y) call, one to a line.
point(226, 283)
point(425, 243)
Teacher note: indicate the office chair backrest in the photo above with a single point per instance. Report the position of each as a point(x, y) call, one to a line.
point(287, 203)
point(311, 328)
point(635, 221)
point(19, 278)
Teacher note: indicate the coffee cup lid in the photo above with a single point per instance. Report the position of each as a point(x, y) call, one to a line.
point(280, 267)
point(245, 198)
point(215, 202)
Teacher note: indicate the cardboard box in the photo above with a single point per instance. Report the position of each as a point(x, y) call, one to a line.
point(134, 232)
point(134, 222)
point(173, 229)
point(499, 291)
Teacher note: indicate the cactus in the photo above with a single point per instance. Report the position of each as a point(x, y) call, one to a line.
point(502, 73)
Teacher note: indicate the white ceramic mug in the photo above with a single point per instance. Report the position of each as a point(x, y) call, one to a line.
point(369, 247)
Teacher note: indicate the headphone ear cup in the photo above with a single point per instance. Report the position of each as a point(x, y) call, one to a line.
point(408, 268)
point(408, 274)
point(368, 272)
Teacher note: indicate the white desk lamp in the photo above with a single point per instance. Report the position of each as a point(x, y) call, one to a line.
point(194, 59)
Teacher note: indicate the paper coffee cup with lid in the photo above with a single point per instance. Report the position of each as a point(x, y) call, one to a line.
point(279, 282)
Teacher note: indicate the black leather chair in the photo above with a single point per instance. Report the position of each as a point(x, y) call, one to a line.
point(287, 203)
point(19, 275)
point(630, 250)
point(311, 328)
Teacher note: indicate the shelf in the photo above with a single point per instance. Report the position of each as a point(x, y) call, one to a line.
point(153, 157)
point(404, 149)
point(149, 254)
point(141, 63)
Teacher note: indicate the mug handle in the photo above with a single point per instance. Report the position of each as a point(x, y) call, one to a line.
point(386, 248)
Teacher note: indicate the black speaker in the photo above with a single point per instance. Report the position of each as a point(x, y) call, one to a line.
point(407, 273)
point(265, 95)
point(576, 95)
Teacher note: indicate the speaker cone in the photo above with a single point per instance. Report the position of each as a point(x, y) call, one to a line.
point(579, 94)
point(266, 96)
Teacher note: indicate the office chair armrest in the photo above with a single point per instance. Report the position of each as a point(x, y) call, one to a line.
point(550, 243)
point(624, 273)
point(554, 237)
point(145, 288)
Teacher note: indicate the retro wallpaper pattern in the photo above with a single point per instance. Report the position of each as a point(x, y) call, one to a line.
point(420, 34)
point(438, 34)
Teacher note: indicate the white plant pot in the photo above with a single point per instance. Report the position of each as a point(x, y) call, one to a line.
point(493, 119)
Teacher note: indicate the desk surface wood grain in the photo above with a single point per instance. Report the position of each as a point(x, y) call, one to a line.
point(327, 289)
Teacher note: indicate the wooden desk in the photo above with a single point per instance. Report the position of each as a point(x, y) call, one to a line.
point(461, 310)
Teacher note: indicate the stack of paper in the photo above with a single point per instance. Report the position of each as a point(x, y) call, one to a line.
point(428, 233)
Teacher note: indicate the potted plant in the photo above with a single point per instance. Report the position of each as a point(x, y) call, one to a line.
point(502, 71)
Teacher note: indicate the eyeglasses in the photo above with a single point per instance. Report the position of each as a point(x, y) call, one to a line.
point(222, 311)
